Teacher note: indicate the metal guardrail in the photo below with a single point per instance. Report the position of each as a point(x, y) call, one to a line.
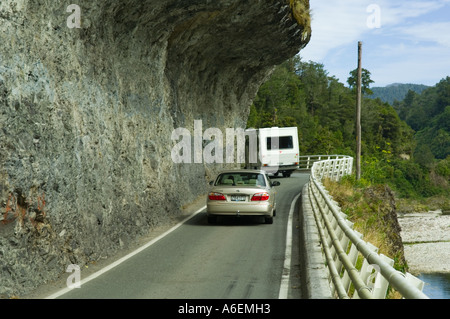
point(306, 161)
point(344, 247)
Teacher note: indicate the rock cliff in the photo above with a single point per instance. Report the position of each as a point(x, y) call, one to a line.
point(87, 112)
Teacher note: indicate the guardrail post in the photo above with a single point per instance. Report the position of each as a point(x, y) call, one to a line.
point(353, 256)
point(366, 270)
point(381, 284)
point(416, 282)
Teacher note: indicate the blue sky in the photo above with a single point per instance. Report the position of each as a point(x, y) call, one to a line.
point(403, 41)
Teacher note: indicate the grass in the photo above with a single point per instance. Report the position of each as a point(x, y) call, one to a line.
point(372, 209)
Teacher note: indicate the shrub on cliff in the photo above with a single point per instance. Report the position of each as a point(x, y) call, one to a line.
point(301, 13)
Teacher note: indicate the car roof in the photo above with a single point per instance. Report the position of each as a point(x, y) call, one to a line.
point(242, 171)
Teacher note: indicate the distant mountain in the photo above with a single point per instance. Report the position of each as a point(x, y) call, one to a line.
point(395, 91)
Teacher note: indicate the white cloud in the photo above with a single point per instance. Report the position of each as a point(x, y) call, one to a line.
point(334, 23)
point(412, 70)
point(339, 22)
point(396, 12)
point(412, 43)
point(407, 62)
point(438, 32)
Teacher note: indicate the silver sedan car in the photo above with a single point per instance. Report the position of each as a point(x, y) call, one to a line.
point(242, 192)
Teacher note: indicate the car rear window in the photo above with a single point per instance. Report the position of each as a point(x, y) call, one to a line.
point(245, 179)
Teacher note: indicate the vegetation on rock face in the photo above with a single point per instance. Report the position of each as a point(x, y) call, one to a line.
point(373, 211)
point(301, 13)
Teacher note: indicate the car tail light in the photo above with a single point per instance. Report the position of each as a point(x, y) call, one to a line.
point(260, 197)
point(216, 196)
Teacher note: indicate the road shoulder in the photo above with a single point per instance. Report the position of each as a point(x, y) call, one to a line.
point(314, 270)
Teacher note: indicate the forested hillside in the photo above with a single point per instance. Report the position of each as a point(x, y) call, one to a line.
point(396, 91)
point(303, 94)
point(428, 114)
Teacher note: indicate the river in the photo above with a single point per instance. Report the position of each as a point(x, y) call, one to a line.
point(437, 285)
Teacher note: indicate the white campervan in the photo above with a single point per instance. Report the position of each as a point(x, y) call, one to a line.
point(278, 150)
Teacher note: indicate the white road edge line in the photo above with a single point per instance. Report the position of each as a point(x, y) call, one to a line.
point(121, 260)
point(284, 286)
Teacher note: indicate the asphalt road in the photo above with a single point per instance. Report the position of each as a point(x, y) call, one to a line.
point(237, 258)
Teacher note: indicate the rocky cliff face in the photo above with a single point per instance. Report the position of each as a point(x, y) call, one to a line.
point(86, 116)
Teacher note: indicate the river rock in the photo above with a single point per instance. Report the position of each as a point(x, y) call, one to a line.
point(426, 238)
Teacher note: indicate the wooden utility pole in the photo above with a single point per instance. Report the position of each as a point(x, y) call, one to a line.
point(358, 114)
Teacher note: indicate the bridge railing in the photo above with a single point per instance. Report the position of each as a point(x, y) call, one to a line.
point(355, 268)
point(306, 161)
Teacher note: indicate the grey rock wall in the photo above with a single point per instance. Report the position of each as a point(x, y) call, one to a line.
point(86, 116)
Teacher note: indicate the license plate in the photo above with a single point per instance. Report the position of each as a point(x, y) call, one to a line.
point(237, 198)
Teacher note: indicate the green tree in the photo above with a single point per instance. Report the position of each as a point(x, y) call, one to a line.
point(314, 83)
point(365, 81)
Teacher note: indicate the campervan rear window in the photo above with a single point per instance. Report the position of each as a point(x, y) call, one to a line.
point(284, 142)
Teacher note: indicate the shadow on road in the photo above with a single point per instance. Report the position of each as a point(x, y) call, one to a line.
point(201, 220)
